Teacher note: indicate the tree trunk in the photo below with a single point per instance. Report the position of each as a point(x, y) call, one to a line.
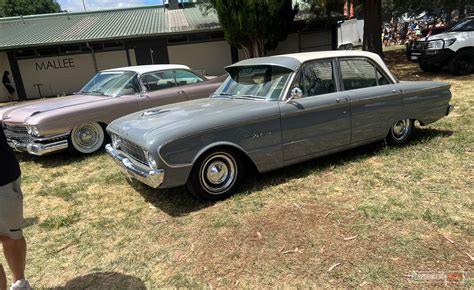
point(373, 26)
point(462, 8)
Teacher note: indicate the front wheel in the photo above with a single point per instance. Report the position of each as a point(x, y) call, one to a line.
point(216, 175)
point(400, 132)
point(462, 63)
point(87, 138)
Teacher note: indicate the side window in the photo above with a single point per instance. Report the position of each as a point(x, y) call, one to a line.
point(381, 79)
point(131, 87)
point(357, 74)
point(158, 80)
point(317, 78)
point(184, 77)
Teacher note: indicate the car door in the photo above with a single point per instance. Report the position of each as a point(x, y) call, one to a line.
point(159, 89)
point(321, 119)
point(374, 98)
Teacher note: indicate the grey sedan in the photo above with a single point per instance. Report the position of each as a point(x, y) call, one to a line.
point(272, 112)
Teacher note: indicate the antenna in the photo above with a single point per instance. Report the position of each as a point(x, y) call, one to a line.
point(84, 4)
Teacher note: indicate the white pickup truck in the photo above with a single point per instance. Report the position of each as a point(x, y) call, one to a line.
point(453, 48)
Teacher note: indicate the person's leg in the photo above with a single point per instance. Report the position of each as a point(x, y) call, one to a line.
point(3, 279)
point(15, 254)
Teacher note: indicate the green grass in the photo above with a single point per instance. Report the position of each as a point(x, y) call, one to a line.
point(89, 227)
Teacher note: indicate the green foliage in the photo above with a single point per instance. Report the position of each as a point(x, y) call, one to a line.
point(253, 25)
point(27, 7)
point(400, 7)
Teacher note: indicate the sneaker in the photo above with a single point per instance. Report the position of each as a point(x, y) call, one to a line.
point(20, 285)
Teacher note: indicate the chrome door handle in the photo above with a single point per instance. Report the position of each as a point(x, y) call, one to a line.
point(343, 100)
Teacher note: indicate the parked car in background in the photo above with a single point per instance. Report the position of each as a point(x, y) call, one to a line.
point(453, 48)
point(269, 113)
point(78, 122)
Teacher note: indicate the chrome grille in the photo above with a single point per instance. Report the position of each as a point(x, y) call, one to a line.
point(133, 150)
point(17, 133)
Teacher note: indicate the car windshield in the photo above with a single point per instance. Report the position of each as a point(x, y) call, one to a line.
point(466, 25)
point(256, 82)
point(112, 83)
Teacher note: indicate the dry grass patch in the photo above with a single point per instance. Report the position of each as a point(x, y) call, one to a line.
point(88, 226)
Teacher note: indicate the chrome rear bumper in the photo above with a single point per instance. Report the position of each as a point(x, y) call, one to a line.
point(152, 178)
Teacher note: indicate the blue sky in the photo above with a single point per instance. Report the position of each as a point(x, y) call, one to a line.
point(76, 5)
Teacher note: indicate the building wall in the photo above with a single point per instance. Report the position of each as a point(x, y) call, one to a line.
point(207, 57)
point(66, 74)
point(4, 66)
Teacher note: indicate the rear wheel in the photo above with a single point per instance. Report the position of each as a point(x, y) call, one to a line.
point(462, 63)
point(400, 132)
point(216, 175)
point(87, 138)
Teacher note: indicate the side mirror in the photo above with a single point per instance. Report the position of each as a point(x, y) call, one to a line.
point(296, 93)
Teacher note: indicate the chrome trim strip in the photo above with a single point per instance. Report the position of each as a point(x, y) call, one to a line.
point(152, 178)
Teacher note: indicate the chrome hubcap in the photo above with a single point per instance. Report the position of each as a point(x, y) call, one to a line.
point(218, 173)
point(86, 136)
point(401, 129)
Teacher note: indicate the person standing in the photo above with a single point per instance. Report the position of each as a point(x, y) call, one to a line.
point(8, 85)
point(11, 218)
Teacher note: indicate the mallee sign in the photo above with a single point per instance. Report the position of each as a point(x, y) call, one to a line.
point(55, 64)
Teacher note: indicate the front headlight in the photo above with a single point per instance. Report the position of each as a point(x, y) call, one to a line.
point(115, 141)
point(436, 44)
point(33, 130)
point(151, 161)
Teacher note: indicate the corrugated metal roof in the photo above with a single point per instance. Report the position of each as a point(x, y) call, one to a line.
point(62, 28)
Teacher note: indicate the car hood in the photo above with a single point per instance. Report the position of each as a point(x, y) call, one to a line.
point(447, 35)
point(181, 119)
point(22, 112)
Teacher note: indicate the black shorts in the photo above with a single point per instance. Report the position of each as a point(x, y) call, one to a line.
point(10, 88)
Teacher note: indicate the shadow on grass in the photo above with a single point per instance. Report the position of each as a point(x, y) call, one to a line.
point(104, 280)
point(177, 202)
point(56, 159)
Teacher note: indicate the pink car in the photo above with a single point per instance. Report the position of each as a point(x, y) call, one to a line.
point(78, 122)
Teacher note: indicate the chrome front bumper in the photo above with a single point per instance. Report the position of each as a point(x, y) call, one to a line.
point(152, 178)
point(38, 148)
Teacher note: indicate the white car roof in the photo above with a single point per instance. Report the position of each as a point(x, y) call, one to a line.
point(141, 69)
point(294, 60)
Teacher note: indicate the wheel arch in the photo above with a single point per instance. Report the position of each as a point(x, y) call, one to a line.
point(249, 163)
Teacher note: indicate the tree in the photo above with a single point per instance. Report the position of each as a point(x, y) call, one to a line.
point(27, 7)
point(373, 26)
point(256, 26)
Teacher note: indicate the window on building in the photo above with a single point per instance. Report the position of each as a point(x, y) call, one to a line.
point(177, 39)
point(317, 78)
point(184, 77)
point(158, 80)
point(70, 49)
point(199, 37)
point(25, 53)
point(357, 74)
point(47, 51)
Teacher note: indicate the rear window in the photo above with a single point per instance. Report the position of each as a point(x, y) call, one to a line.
point(357, 74)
